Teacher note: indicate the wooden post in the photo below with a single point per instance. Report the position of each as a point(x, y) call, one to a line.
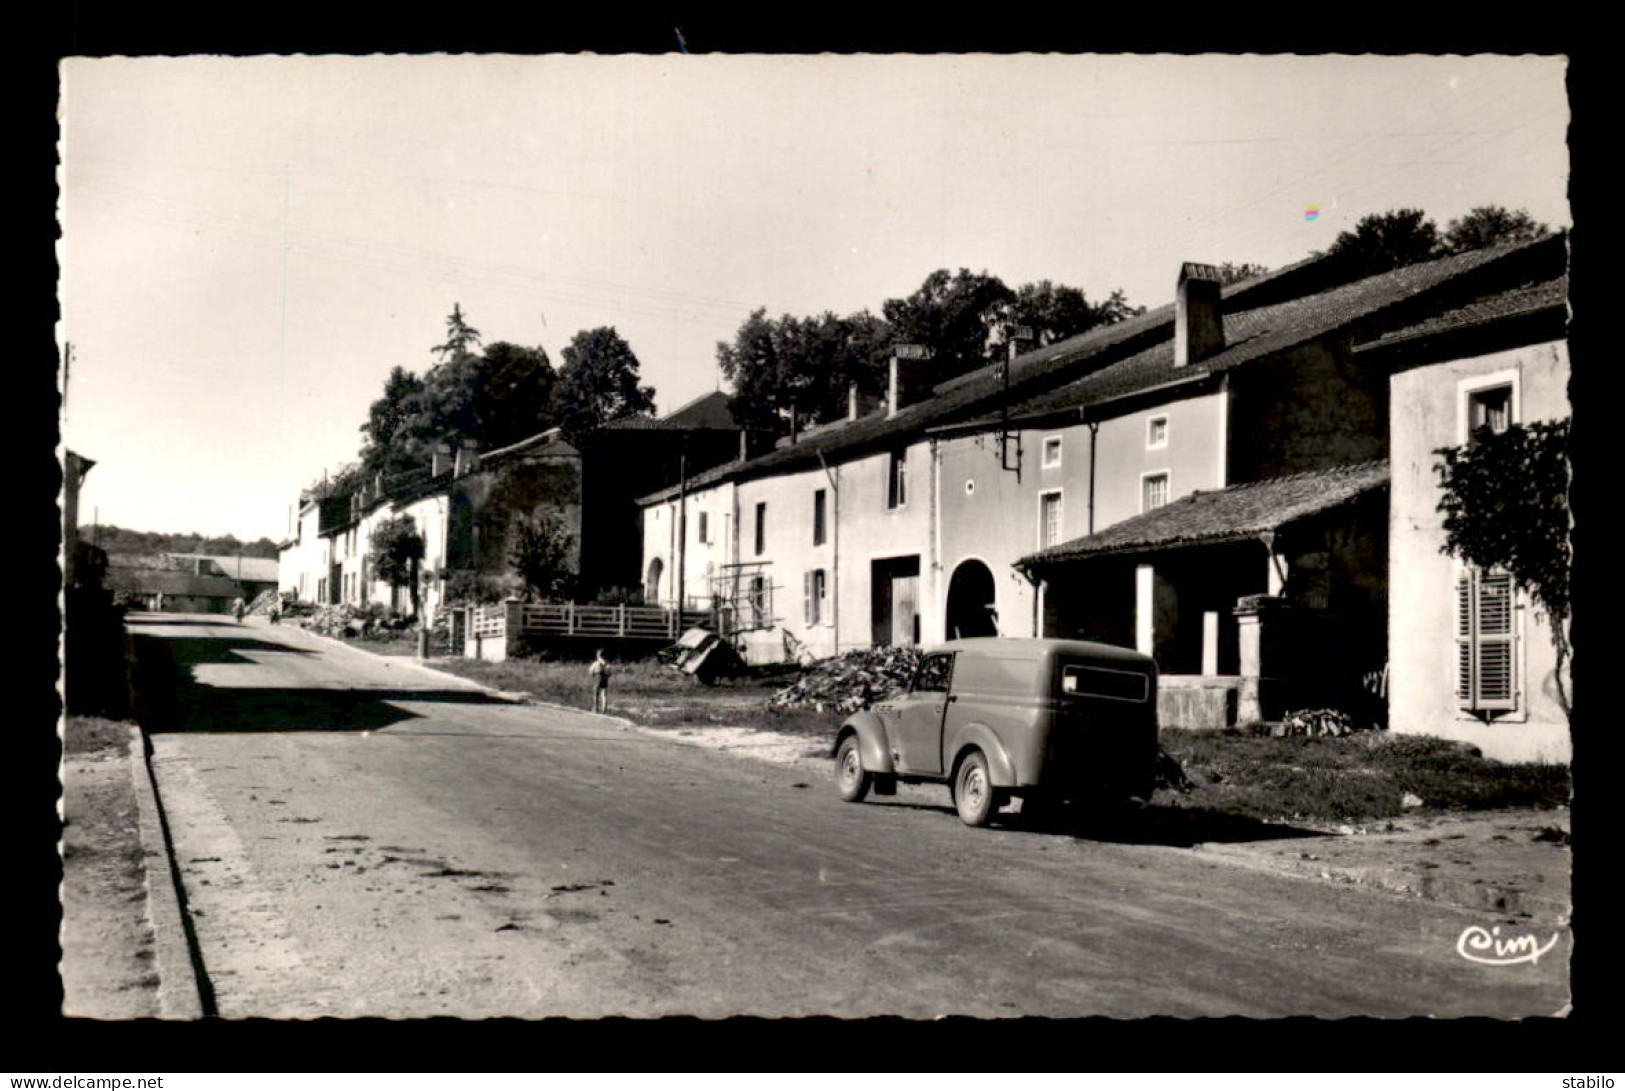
point(620, 619)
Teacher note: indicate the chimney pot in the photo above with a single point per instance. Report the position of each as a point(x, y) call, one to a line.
point(1198, 322)
point(1021, 339)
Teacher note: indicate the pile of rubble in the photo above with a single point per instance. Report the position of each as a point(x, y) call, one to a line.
point(264, 601)
point(1317, 722)
point(345, 620)
point(850, 682)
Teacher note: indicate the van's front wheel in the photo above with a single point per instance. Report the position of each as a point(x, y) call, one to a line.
point(974, 796)
point(851, 778)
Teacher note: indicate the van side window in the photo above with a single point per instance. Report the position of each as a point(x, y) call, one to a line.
point(933, 674)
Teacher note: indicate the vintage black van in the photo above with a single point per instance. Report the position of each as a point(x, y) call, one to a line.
point(999, 717)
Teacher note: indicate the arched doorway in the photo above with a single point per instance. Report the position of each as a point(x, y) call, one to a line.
point(972, 601)
point(651, 584)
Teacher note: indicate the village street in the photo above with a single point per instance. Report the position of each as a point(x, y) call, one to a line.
point(360, 836)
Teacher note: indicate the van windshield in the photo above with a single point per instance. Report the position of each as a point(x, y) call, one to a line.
point(1078, 680)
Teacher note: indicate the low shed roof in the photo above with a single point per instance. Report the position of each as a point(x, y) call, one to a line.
point(1223, 515)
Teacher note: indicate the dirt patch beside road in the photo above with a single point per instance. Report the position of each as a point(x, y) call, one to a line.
point(108, 958)
point(1514, 863)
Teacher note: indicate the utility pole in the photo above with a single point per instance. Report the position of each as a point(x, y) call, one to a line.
point(682, 523)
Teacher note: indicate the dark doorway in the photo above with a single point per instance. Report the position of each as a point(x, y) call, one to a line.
point(894, 590)
point(972, 602)
point(651, 581)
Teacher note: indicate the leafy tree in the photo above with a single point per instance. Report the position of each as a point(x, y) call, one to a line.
point(945, 314)
point(1053, 311)
point(806, 366)
point(387, 441)
point(539, 548)
point(599, 382)
point(1491, 225)
point(802, 365)
point(460, 336)
point(1231, 273)
point(514, 392)
point(1384, 241)
point(1505, 506)
point(397, 550)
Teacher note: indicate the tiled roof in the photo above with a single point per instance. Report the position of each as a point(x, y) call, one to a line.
point(1240, 511)
point(1264, 331)
point(1136, 355)
point(254, 569)
point(550, 442)
point(708, 411)
point(1526, 299)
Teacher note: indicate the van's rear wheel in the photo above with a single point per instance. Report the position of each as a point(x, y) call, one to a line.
point(851, 778)
point(974, 795)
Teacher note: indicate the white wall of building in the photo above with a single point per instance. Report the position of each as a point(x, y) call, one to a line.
point(1426, 414)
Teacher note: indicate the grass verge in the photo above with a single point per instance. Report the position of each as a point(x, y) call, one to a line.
point(1367, 775)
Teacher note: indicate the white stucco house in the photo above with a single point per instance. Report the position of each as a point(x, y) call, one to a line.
point(1470, 658)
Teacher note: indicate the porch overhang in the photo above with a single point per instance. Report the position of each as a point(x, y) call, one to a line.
point(1255, 510)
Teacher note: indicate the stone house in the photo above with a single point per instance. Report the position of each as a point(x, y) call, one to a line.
point(961, 513)
point(467, 506)
point(1470, 658)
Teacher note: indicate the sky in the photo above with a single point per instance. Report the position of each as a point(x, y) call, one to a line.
point(249, 245)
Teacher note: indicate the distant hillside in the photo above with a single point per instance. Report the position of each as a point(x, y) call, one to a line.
point(118, 540)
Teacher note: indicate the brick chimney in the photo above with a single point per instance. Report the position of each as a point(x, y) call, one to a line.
point(907, 382)
point(1198, 323)
point(439, 459)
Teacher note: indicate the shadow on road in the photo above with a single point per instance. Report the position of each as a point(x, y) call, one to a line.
point(168, 697)
point(1180, 827)
point(1176, 827)
point(190, 651)
point(143, 621)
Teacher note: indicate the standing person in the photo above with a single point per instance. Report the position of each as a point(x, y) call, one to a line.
point(599, 672)
point(237, 609)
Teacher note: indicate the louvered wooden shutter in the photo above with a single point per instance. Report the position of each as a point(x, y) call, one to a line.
point(807, 597)
point(1486, 675)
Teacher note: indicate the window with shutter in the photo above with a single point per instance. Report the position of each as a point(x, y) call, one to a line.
point(1486, 663)
point(807, 598)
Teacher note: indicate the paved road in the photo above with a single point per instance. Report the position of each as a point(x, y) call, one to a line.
point(363, 837)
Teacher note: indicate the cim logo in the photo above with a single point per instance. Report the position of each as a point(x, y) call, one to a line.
point(1486, 945)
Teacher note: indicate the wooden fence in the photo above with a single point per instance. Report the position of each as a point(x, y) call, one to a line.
point(506, 621)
